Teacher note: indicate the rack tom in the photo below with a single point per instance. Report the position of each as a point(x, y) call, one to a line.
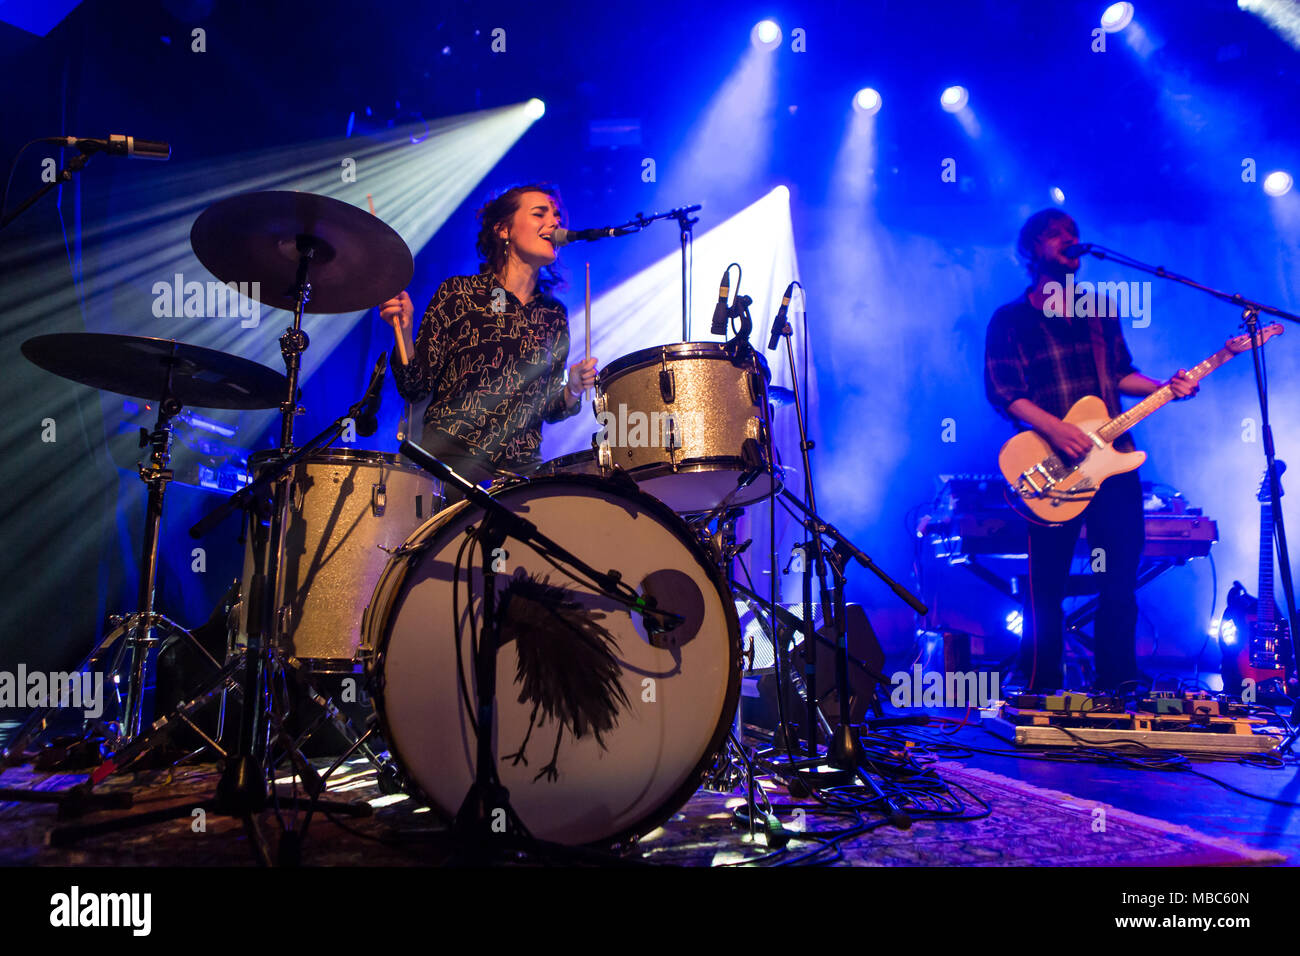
point(686, 422)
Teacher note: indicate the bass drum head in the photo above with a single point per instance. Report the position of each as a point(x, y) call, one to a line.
point(603, 729)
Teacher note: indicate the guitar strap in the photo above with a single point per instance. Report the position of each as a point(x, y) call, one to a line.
point(1109, 393)
point(1104, 380)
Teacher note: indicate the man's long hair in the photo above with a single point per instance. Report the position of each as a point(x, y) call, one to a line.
point(499, 210)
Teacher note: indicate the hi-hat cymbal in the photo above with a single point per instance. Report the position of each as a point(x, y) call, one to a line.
point(138, 366)
point(358, 260)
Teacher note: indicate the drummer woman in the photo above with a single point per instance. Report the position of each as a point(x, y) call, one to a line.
point(491, 347)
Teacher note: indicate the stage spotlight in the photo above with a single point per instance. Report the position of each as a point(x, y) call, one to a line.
point(1058, 195)
point(1117, 16)
point(1015, 621)
point(534, 109)
point(954, 99)
point(1278, 183)
point(765, 35)
point(867, 101)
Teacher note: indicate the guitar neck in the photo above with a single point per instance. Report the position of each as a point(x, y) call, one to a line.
point(1264, 613)
point(1159, 398)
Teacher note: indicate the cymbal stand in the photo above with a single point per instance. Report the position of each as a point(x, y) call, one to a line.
point(245, 787)
point(140, 627)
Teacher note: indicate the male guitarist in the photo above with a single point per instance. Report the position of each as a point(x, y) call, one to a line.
point(1036, 365)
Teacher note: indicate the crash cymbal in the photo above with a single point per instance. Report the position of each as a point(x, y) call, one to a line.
point(138, 366)
point(359, 261)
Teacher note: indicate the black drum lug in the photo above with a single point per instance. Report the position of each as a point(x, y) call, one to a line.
point(667, 385)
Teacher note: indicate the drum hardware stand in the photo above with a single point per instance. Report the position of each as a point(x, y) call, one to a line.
point(686, 224)
point(245, 787)
point(139, 627)
point(844, 748)
point(476, 841)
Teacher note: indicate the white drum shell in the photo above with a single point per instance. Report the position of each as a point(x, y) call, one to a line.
point(679, 701)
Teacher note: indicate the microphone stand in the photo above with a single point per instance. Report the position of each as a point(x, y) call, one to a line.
point(844, 749)
point(75, 165)
point(472, 828)
point(1251, 313)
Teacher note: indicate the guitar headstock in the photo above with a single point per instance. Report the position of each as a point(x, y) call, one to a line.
point(1241, 343)
point(1263, 497)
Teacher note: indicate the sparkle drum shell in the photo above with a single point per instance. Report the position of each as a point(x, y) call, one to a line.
point(347, 511)
point(666, 701)
point(686, 422)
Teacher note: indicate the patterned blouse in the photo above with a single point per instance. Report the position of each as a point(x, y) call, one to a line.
point(495, 368)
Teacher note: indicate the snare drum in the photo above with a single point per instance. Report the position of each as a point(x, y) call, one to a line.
point(686, 422)
point(347, 511)
point(603, 730)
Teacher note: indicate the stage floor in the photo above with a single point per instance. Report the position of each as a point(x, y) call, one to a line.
point(986, 809)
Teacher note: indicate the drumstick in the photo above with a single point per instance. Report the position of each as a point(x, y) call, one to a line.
point(587, 353)
point(401, 341)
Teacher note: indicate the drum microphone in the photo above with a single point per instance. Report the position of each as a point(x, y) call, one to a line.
point(116, 145)
point(721, 310)
point(779, 323)
point(367, 420)
point(1076, 250)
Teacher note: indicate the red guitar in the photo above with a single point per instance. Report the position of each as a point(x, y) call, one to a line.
point(1253, 636)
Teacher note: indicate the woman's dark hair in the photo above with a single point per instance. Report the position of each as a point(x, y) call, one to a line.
point(501, 209)
point(1035, 226)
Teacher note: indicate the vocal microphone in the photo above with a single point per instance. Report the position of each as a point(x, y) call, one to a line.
point(116, 145)
point(779, 323)
point(1076, 250)
point(367, 420)
point(562, 237)
point(719, 326)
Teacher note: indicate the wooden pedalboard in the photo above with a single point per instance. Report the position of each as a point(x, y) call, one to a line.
point(1227, 733)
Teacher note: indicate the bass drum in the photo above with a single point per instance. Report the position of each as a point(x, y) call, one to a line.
point(603, 729)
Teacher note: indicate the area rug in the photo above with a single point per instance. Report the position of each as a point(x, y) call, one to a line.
point(1028, 826)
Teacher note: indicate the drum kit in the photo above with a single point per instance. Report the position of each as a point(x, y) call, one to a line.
point(592, 592)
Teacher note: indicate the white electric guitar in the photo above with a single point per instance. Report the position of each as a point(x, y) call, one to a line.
point(1056, 488)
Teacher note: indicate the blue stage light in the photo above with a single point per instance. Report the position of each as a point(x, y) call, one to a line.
point(867, 101)
point(1117, 16)
point(1058, 195)
point(534, 109)
point(765, 35)
point(954, 99)
point(1278, 183)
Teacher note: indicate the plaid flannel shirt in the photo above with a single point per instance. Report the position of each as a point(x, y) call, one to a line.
point(1049, 360)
